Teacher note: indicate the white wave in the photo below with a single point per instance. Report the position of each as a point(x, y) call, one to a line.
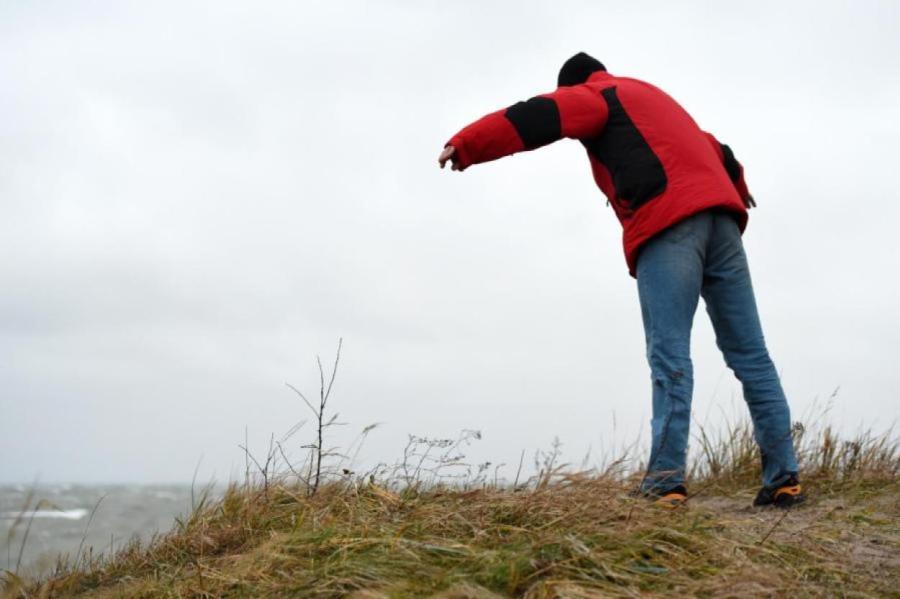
point(76, 514)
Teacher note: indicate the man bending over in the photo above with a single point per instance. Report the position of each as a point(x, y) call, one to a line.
point(682, 201)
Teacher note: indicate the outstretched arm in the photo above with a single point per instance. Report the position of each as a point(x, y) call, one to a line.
point(733, 168)
point(576, 112)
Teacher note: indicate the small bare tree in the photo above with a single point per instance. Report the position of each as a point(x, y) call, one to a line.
point(318, 446)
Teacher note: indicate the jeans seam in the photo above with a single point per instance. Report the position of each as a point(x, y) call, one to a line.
point(664, 433)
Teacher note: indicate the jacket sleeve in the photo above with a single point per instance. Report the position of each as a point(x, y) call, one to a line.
point(577, 112)
point(733, 168)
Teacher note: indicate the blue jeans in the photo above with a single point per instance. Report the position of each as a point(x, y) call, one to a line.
point(703, 256)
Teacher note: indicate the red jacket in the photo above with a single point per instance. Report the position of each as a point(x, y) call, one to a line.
point(649, 157)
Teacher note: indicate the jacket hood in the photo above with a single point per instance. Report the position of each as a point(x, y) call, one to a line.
point(577, 69)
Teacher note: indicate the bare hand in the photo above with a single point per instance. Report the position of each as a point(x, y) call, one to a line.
point(449, 153)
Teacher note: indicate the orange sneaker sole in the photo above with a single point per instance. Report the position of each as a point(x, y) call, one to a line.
point(670, 501)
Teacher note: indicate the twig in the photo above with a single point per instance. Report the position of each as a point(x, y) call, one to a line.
point(10, 535)
point(194, 481)
point(291, 466)
point(519, 471)
point(324, 394)
point(303, 397)
point(40, 504)
point(86, 528)
point(774, 526)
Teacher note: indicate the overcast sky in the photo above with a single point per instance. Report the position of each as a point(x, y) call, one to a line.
point(197, 199)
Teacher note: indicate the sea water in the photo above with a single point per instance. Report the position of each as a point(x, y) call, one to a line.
point(58, 519)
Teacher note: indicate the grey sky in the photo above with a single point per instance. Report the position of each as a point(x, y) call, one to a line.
point(197, 199)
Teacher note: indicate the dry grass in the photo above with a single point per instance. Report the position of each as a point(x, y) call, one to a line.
point(435, 526)
point(555, 535)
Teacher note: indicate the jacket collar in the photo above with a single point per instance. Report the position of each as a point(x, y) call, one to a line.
point(599, 76)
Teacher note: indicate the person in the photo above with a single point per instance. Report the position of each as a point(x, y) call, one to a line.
point(682, 200)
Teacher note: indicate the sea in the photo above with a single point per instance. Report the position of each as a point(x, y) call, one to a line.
point(39, 524)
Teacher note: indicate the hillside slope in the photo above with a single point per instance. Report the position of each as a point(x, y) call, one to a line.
point(557, 534)
point(577, 537)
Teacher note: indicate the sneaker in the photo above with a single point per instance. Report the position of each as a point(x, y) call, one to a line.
point(669, 499)
point(787, 494)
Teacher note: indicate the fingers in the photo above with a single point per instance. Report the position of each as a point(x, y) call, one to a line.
point(446, 155)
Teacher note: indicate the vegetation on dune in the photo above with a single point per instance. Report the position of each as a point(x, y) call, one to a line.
point(433, 525)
